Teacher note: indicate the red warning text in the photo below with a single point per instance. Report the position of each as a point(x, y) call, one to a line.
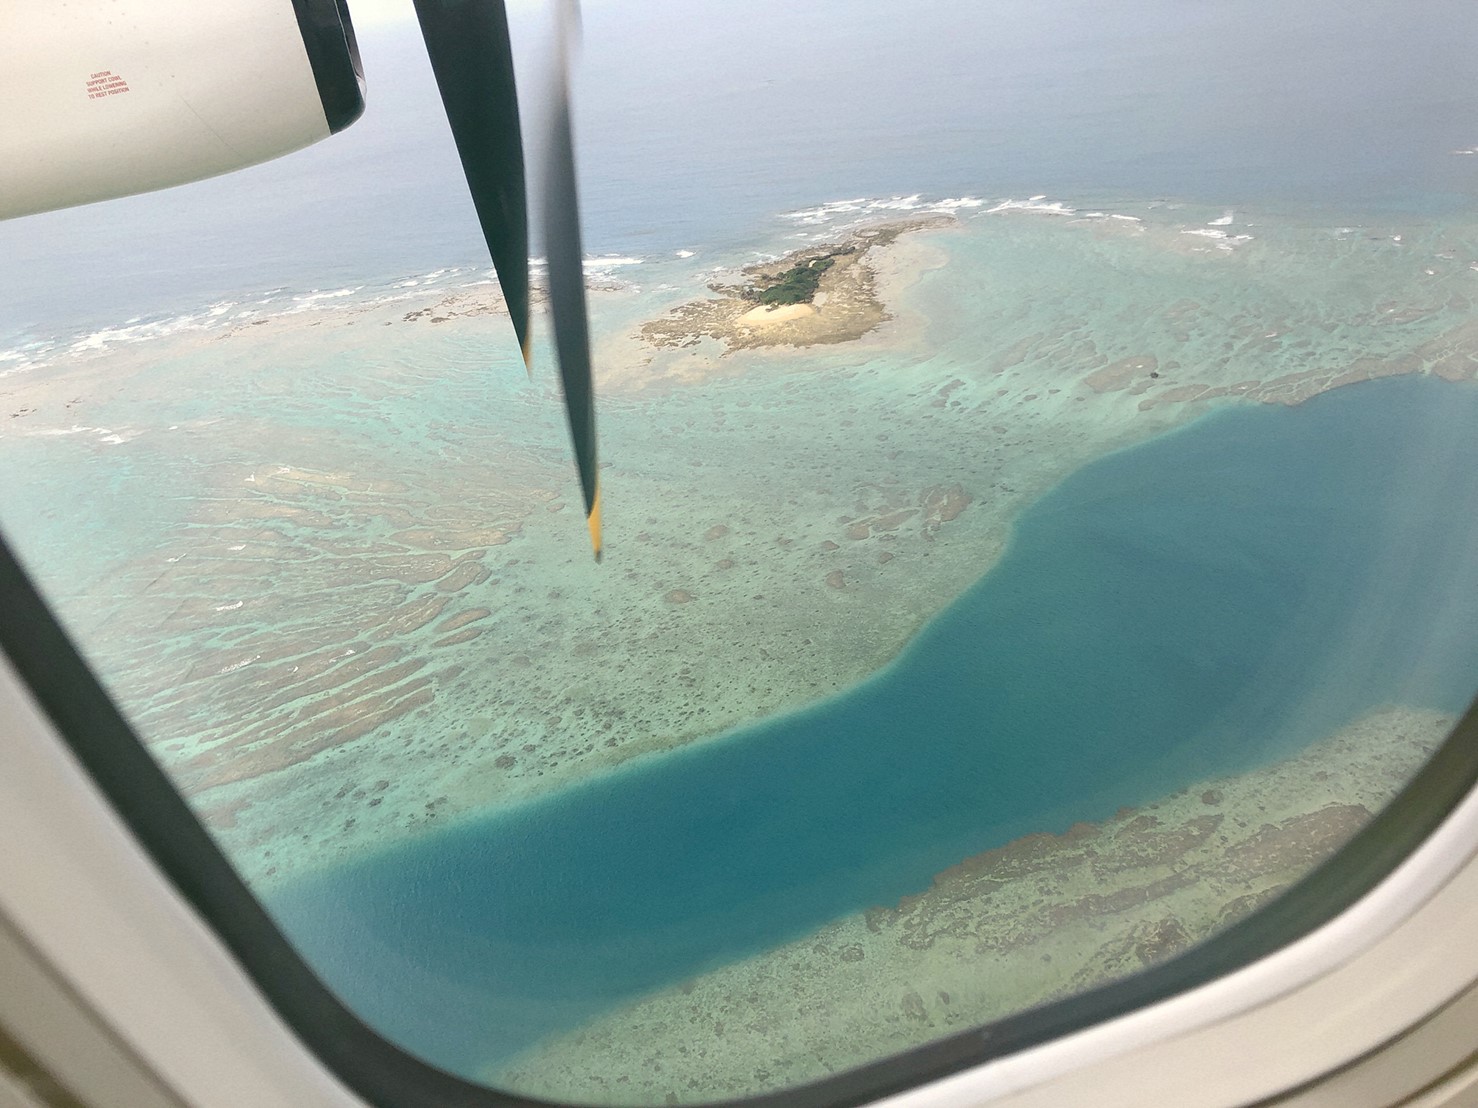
point(105, 83)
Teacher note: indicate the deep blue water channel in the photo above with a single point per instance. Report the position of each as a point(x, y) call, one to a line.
point(1206, 602)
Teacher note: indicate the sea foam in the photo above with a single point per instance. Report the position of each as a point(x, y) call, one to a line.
point(1033, 204)
point(861, 208)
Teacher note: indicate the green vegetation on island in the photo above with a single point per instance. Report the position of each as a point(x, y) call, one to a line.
point(797, 285)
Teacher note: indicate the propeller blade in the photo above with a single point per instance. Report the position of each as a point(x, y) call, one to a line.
point(561, 224)
point(472, 58)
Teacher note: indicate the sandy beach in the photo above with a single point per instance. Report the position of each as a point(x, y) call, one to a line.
point(763, 317)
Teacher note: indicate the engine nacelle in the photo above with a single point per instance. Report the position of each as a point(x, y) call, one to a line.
point(106, 98)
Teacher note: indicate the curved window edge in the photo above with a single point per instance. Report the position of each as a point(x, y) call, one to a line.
point(82, 714)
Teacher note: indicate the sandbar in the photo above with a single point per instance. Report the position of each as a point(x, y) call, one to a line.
point(765, 317)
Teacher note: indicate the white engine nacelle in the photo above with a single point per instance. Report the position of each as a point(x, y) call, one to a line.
point(105, 98)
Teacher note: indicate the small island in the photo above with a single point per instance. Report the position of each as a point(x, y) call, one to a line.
point(818, 295)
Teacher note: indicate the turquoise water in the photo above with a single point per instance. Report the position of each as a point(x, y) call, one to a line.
point(1201, 604)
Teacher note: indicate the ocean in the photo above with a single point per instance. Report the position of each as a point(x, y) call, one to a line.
point(698, 124)
point(1254, 556)
point(1124, 496)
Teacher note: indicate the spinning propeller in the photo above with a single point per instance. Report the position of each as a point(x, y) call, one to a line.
point(472, 59)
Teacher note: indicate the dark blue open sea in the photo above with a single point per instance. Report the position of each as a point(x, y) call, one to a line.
point(1204, 602)
point(699, 121)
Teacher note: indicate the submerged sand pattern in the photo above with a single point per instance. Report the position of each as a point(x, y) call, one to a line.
point(356, 605)
point(322, 588)
point(354, 593)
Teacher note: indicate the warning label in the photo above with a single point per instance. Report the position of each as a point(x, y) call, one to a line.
point(105, 83)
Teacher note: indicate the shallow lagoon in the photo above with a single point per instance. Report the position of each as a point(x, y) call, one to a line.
point(1206, 602)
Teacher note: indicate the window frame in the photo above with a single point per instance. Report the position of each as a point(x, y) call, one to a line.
point(145, 885)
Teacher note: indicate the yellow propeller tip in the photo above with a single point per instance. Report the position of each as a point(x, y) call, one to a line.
point(528, 357)
point(593, 522)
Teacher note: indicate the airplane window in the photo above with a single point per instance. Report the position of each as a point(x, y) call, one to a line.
point(1041, 518)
